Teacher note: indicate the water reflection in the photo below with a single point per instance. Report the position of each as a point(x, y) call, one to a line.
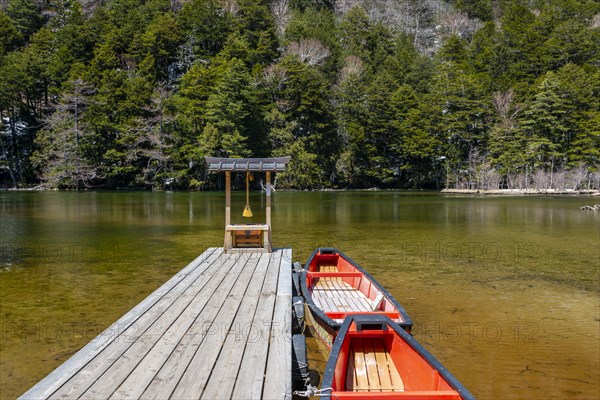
point(505, 291)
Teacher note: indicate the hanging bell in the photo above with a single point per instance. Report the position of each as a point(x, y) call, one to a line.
point(247, 211)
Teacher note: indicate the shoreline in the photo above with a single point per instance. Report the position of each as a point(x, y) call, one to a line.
point(523, 192)
point(487, 192)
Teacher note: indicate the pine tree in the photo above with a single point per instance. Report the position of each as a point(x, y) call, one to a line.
point(9, 35)
point(26, 17)
point(351, 116)
point(542, 123)
point(205, 26)
point(459, 114)
point(227, 109)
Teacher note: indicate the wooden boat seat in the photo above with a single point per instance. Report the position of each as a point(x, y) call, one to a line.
point(332, 294)
point(328, 268)
point(371, 369)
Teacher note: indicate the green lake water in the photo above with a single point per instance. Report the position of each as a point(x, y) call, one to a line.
point(503, 290)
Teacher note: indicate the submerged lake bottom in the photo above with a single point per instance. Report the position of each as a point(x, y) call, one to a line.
point(504, 291)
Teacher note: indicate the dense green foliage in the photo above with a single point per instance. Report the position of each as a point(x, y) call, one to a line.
point(134, 93)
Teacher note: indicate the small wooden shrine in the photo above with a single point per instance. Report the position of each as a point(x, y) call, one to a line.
point(247, 237)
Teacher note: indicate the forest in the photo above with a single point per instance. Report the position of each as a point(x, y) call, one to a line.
point(475, 94)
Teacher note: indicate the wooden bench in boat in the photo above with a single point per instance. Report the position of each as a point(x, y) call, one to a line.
point(370, 368)
point(338, 298)
point(335, 274)
point(331, 294)
point(328, 268)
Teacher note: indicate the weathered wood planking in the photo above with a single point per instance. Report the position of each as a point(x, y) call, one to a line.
point(280, 354)
point(371, 369)
point(333, 295)
point(221, 327)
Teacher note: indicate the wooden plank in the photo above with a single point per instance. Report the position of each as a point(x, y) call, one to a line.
point(329, 304)
point(145, 370)
point(382, 365)
point(78, 381)
point(350, 373)
point(61, 375)
point(337, 285)
point(268, 196)
point(397, 382)
point(227, 199)
point(251, 373)
point(352, 304)
point(246, 227)
point(105, 384)
point(371, 362)
point(358, 306)
point(360, 366)
point(167, 350)
point(317, 301)
point(222, 378)
point(343, 305)
point(365, 302)
point(331, 291)
point(183, 374)
point(278, 379)
point(346, 288)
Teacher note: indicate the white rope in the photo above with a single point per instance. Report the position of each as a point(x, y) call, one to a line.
point(313, 391)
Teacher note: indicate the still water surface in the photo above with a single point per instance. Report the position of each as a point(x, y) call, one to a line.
point(504, 291)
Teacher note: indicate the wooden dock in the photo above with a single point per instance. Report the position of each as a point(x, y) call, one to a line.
point(219, 329)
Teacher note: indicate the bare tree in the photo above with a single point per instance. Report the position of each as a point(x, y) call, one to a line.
point(63, 143)
point(281, 13)
point(503, 103)
point(185, 54)
point(596, 21)
point(153, 139)
point(415, 17)
point(594, 180)
point(454, 22)
point(541, 180)
point(274, 78)
point(309, 51)
point(578, 177)
point(231, 6)
point(343, 6)
point(353, 66)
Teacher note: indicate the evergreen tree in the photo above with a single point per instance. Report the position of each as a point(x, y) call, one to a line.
point(351, 113)
point(343, 90)
point(205, 26)
point(542, 123)
point(9, 35)
point(228, 109)
point(26, 17)
point(460, 114)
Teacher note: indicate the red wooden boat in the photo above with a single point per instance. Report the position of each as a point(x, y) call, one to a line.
point(373, 358)
point(334, 287)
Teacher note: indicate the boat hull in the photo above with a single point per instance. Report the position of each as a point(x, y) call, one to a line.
point(347, 275)
point(373, 357)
